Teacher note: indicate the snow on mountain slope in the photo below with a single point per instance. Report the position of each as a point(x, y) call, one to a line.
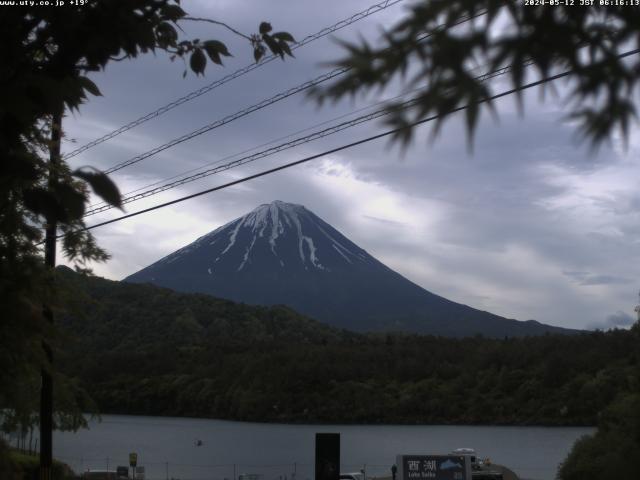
point(271, 225)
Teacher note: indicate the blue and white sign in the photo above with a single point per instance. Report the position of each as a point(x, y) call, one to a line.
point(433, 467)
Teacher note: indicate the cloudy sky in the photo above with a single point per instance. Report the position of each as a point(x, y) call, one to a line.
point(530, 225)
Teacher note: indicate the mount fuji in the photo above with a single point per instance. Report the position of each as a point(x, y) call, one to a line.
point(282, 253)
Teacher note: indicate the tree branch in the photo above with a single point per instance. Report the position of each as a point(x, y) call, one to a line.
point(222, 24)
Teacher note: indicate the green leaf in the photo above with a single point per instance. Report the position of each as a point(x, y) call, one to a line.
point(258, 52)
point(21, 165)
point(71, 200)
point(61, 204)
point(198, 61)
point(285, 47)
point(273, 45)
point(214, 56)
point(146, 39)
point(173, 12)
point(286, 36)
point(217, 46)
point(89, 86)
point(101, 184)
point(472, 121)
point(213, 50)
point(42, 202)
point(166, 34)
point(265, 27)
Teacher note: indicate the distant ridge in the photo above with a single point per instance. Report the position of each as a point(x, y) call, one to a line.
point(282, 253)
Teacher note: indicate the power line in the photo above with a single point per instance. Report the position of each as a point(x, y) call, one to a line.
point(344, 147)
point(262, 104)
point(238, 73)
point(241, 161)
point(131, 193)
point(246, 151)
point(228, 119)
point(281, 147)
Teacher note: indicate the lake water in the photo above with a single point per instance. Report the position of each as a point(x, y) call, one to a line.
point(167, 447)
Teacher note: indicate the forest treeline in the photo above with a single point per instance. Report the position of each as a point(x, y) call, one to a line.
point(141, 349)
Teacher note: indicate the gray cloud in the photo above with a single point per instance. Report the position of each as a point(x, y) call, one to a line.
point(587, 278)
point(605, 280)
point(385, 221)
point(617, 320)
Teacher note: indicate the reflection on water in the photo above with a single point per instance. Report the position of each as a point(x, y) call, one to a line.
point(198, 449)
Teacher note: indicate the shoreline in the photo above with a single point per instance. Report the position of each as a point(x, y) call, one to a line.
point(350, 424)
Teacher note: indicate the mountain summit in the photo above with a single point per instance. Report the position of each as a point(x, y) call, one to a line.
point(281, 253)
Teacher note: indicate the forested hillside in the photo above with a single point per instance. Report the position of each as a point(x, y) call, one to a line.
point(141, 349)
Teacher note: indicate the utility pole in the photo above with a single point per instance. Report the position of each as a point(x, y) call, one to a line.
point(46, 389)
